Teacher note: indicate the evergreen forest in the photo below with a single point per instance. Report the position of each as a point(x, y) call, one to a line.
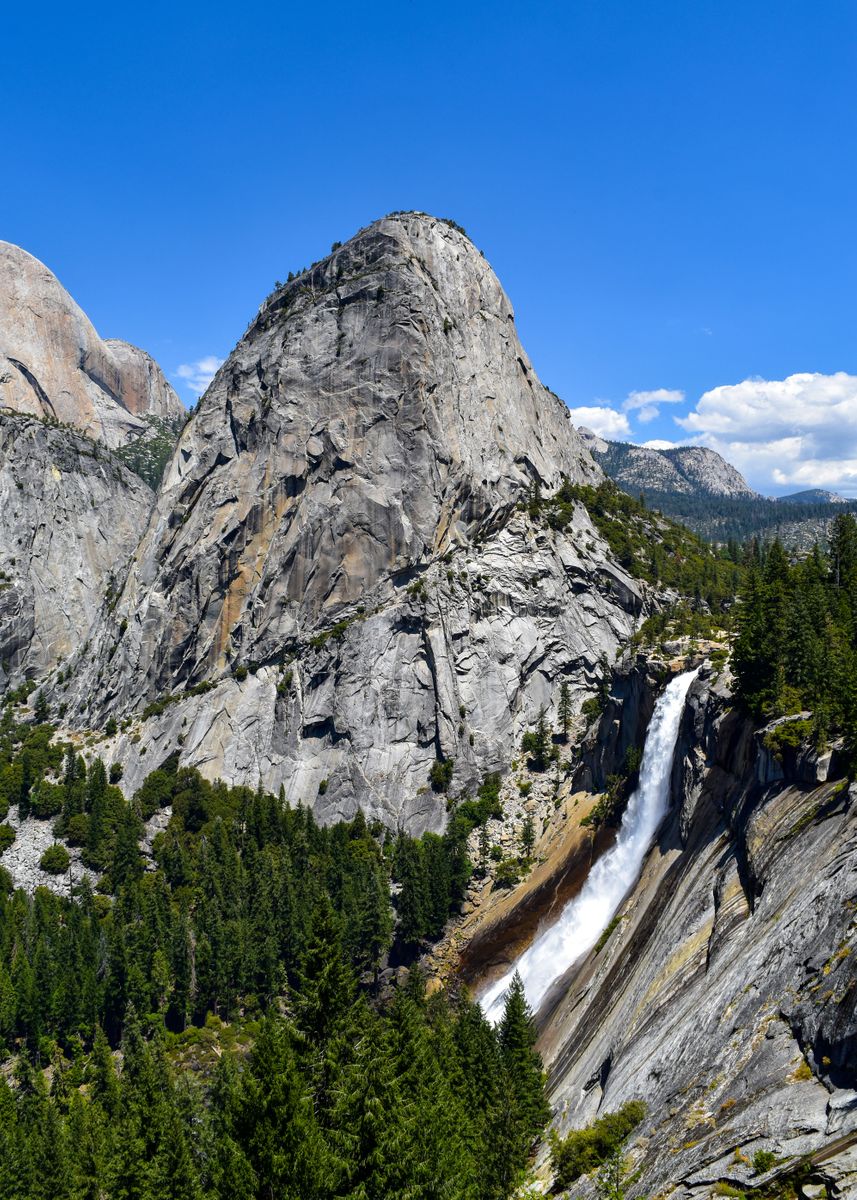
point(211, 1021)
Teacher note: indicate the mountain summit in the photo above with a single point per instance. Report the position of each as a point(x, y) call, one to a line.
point(336, 544)
point(54, 365)
point(679, 470)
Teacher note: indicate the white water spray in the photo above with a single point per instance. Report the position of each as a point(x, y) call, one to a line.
point(585, 917)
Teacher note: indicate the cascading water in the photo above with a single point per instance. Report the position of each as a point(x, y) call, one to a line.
point(584, 918)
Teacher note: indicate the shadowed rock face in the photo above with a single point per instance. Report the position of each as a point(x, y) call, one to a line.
point(726, 996)
point(54, 365)
point(359, 458)
point(70, 517)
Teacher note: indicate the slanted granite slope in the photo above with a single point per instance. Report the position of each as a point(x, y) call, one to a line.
point(725, 997)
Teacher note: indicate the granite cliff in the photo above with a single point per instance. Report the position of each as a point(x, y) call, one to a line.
point(725, 996)
point(338, 587)
point(71, 513)
point(70, 517)
point(54, 365)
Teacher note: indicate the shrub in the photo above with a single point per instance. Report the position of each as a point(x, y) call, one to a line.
point(440, 775)
point(55, 860)
point(487, 807)
point(322, 787)
point(585, 1149)
point(77, 829)
point(508, 873)
point(764, 1161)
point(241, 673)
point(788, 736)
point(46, 800)
point(116, 772)
point(111, 727)
point(605, 936)
point(7, 837)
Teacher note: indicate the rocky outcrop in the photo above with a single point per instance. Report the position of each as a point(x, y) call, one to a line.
point(70, 517)
point(54, 365)
point(338, 553)
point(725, 996)
point(622, 725)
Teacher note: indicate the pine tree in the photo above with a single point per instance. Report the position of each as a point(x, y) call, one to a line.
point(564, 710)
point(528, 837)
point(523, 1062)
point(275, 1124)
point(126, 862)
point(412, 903)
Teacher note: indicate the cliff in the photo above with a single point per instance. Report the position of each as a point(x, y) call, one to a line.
point(70, 517)
point(725, 996)
point(54, 365)
point(337, 586)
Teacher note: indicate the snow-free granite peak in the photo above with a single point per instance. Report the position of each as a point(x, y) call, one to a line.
point(337, 583)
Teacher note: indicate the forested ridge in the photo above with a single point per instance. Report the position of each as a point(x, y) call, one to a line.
point(211, 1023)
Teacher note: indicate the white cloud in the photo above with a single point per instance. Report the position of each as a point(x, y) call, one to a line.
point(606, 422)
point(198, 375)
point(646, 405)
point(661, 444)
point(800, 431)
point(656, 396)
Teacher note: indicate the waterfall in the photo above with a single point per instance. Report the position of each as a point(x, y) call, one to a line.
point(587, 915)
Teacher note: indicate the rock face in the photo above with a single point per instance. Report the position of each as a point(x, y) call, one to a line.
point(54, 365)
point(684, 470)
point(338, 547)
point(726, 996)
point(70, 517)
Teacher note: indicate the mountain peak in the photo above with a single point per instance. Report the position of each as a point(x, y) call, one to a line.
point(680, 470)
point(54, 365)
point(345, 499)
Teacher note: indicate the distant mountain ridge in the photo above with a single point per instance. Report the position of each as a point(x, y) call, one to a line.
point(683, 470)
point(812, 496)
point(697, 486)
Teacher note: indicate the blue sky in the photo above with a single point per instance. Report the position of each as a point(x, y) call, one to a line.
point(666, 189)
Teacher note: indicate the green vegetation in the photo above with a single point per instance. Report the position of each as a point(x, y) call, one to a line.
point(337, 632)
point(440, 775)
point(161, 705)
point(537, 743)
point(240, 979)
point(680, 620)
point(648, 546)
point(796, 647)
point(788, 735)
point(583, 1150)
point(764, 1161)
point(739, 519)
point(508, 873)
point(564, 710)
point(611, 804)
point(607, 934)
point(148, 455)
point(55, 860)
